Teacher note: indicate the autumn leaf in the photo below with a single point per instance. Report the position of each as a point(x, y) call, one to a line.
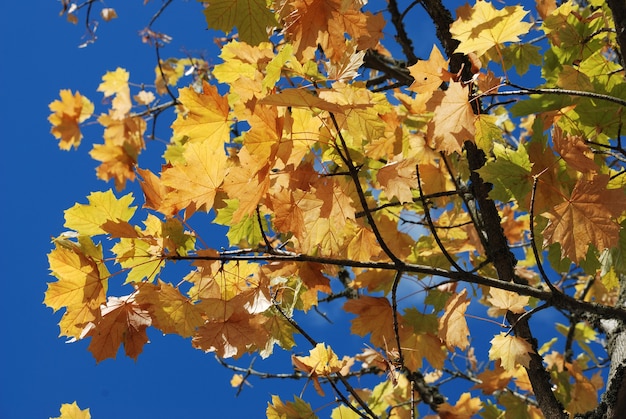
point(298, 409)
point(123, 322)
point(398, 179)
point(321, 361)
point(103, 206)
point(323, 22)
point(252, 18)
point(503, 301)
point(465, 408)
point(193, 184)
point(453, 120)
point(429, 74)
point(586, 217)
point(232, 335)
point(72, 411)
point(171, 312)
point(374, 317)
point(115, 83)
point(453, 329)
point(510, 350)
point(80, 280)
point(67, 114)
point(483, 26)
point(205, 117)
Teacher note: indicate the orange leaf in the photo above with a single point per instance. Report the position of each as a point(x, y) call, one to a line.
point(465, 408)
point(587, 217)
point(453, 120)
point(70, 111)
point(375, 317)
point(123, 322)
point(452, 325)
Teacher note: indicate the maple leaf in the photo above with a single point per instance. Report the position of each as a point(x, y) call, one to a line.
point(453, 120)
point(398, 179)
point(232, 335)
point(123, 322)
point(251, 17)
point(452, 325)
point(298, 409)
point(321, 361)
point(586, 217)
point(494, 380)
point(123, 141)
point(103, 206)
point(482, 26)
point(72, 411)
point(574, 151)
point(503, 301)
point(325, 22)
point(171, 312)
point(116, 83)
point(67, 114)
point(194, 183)
point(205, 117)
point(429, 74)
point(302, 98)
point(465, 408)
point(510, 350)
point(81, 281)
point(374, 317)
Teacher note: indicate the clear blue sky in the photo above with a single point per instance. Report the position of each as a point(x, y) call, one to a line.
point(38, 371)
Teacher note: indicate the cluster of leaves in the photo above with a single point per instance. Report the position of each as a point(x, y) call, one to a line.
point(314, 169)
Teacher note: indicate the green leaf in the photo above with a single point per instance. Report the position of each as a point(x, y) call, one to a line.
point(246, 232)
point(509, 174)
point(522, 56)
point(250, 17)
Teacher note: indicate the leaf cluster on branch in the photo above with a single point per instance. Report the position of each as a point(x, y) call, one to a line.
point(343, 168)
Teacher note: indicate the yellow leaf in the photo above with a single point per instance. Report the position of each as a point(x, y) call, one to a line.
point(507, 300)
point(67, 114)
point(205, 117)
point(80, 281)
point(170, 310)
point(452, 325)
point(321, 361)
point(429, 74)
point(72, 411)
point(481, 27)
point(300, 98)
point(195, 183)
point(114, 82)
point(103, 206)
point(510, 350)
point(453, 120)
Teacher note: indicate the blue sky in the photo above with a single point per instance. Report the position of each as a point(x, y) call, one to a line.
point(38, 182)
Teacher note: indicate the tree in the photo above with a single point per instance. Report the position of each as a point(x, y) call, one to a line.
point(344, 167)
